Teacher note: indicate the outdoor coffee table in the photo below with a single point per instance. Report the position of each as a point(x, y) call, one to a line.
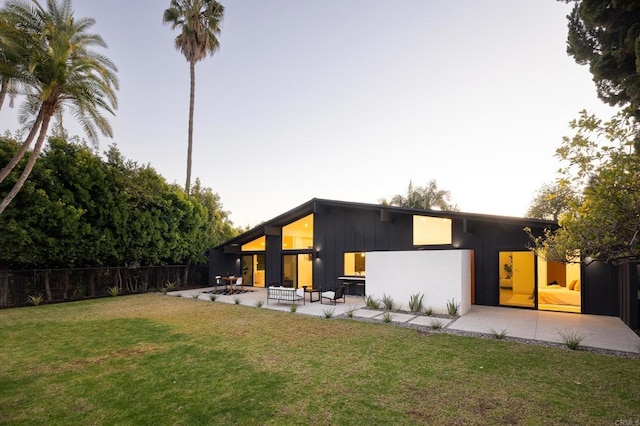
point(311, 292)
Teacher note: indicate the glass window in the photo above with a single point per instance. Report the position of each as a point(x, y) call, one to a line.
point(559, 286)
point(516, 272)
point(298, 235)
point(431, 230)
point(255, 245)
point(297, 270)
point(354, 263)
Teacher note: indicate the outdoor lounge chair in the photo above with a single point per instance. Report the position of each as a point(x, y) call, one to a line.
point(333, 296)
point(237, 284)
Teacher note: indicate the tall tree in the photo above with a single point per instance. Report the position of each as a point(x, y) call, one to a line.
point(551, 201)
point(605, 34)
point(200, 22)
point(604, 223)
point(59, 70)
point(426, 198)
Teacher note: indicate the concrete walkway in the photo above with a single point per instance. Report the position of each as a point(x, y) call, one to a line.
point(600, 332)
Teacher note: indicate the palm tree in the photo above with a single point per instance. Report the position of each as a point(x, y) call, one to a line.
point(48, 53)
point(425, 198)
point(200, 22)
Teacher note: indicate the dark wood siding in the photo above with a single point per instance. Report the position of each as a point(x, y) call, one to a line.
point(600, 289)
point(273, 259)
point(628, 285)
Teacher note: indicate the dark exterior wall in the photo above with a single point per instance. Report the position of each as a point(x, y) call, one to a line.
point(487, 240)
point(338, 230)
point(273, 259)
point(628, 286)
point(600, 293)
point(222, 264)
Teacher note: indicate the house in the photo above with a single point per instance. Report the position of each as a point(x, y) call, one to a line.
point(446, 256)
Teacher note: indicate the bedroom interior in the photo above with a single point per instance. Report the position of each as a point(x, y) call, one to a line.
point(558, 284)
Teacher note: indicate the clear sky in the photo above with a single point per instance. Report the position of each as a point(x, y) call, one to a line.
point(350, 99)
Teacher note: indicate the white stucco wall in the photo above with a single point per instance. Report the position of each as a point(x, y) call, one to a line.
point(441, 275)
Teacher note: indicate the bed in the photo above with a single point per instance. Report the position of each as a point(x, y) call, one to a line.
point(558, 295)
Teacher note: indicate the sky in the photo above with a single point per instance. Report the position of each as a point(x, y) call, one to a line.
point(349, 100)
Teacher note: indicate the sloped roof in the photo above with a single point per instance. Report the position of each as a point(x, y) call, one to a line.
point(314, 204)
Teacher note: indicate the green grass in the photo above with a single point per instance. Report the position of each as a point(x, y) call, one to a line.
point(149, 359)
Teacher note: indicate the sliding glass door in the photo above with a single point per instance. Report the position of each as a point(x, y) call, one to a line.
point(297, 270)
point(517, 279)
point(253, 269)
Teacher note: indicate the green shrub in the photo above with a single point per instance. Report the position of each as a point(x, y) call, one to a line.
point(36, 299)
point(428, 311)
point(213, 297)
point(293, 307)
point(195, 295)
point(371, 302)
point(236, 300)
point(387, 301)
point(499, 334)
point(170, 286)
point(350, 312)
point(113, 291)
point(571, 339)
point(328, 313)
point(259, 303)
point(386, 317)
point(435, 324)
point(415, 302)
point(452, 307)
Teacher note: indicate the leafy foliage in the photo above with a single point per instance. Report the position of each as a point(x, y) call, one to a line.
point(80, 210)
point(452, 307)
point(48, 54)
point(604, 223)
point(605, 34)
point(425, 198)
point(551, 201)
point(415, 302)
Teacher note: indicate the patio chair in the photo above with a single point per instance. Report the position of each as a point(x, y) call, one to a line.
point(333, 296)
point(237, 284)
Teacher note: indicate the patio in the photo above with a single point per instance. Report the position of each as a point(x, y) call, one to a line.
point(600, 332)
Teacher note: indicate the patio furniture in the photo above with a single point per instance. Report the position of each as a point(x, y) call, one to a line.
point(285, 293)
point(333, 296)
point(229, 282)
point(218, 281)
point(311, 292)
point(349, 281)
point(237, 284)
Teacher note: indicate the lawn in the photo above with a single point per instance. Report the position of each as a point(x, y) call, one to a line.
point(161, 360)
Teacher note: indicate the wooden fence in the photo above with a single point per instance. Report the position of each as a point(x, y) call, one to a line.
point(19, 288)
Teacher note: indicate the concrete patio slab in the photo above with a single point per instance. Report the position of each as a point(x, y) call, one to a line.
point(426, 321)
point(401, 318)
point(601, 332)
point(366, 313)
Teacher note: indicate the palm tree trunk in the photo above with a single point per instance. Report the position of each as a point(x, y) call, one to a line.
point(46, 117)
point(3, 90)
point(192, 70)
point(25, 146)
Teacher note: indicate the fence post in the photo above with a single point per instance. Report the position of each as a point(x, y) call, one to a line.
point(4, 286)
